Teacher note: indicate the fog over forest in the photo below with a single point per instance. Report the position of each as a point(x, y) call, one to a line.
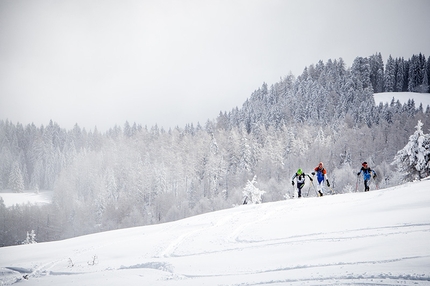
point(136, 175)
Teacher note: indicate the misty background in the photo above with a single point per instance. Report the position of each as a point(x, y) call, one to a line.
point(135, 175)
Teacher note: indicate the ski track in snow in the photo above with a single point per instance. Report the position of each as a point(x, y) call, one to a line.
point(350, 276)
point(231, 238)
point(170, 249)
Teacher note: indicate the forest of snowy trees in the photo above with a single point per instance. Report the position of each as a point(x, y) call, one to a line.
point(134, 175)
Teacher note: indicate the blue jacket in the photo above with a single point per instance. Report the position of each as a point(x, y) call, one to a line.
point(321, 174)
point(367, 173)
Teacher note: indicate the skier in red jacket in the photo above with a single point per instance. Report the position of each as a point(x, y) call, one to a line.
point(321, 177)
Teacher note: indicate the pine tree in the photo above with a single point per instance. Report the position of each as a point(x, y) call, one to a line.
point(360, 71)
point(425, 85)
point(400, 76)
point(416, 71)
point(414, 159)
point(31, 238)
point(377, 72)
point(245, 159)
point(428, 73)
point(390, 76)
point(252, 194)
point(16, 180)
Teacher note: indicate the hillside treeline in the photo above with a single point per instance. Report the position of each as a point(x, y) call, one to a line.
point(134, 175)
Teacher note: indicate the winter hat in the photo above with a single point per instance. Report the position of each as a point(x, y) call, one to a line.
point(299, 171)
point(364, 164)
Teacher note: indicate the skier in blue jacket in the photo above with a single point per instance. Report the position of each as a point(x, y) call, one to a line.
point(321, 178)
point(367, 174)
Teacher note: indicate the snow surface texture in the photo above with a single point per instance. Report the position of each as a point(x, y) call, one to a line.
point(380, 237)
point(403, 97)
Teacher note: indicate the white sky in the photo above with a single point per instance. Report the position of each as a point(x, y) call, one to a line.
point(173, 62)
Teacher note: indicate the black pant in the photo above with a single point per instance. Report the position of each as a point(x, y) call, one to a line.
point(299, 188)
point(366, 187)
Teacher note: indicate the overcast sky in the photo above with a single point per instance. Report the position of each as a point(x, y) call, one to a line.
point(101, 63)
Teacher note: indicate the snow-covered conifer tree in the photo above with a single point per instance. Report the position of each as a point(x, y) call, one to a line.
point(414, 159)
point(390, 75)
point(425, 85)
point(16, 180)
point(377, 72)
point(400, 76)
point(31, 238)
point(252, 194)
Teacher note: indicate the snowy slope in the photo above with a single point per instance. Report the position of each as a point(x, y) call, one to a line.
point(380, 237)
point(403, 97)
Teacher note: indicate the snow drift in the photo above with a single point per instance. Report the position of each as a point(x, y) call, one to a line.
point(379, 237)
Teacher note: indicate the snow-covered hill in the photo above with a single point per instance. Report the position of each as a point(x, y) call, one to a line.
point(403, 97)
point(379, 237)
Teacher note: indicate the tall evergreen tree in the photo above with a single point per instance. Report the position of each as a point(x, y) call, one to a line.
point(390, 75)
point(361, 73)
point(428, 73)
point(416, 72)
point(377, 73)
point(16, 180)
point(400, 76)
point(425, 85)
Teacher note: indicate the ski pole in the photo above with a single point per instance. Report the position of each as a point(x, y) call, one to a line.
point(312, 182)
point(295, 192)
point(376, 184)
point(315, 189)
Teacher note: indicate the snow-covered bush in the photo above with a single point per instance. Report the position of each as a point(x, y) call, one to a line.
point(31, 238)
point(252, 194)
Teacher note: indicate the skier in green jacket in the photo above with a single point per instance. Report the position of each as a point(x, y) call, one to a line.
point(300, 179)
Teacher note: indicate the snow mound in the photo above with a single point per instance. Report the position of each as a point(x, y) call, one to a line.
point(379, 237)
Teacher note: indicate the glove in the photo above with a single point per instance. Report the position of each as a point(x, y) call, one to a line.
point(374, 176)
point(358, 174)
point(313, 173)
point(328, 184)
point(292, 182)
